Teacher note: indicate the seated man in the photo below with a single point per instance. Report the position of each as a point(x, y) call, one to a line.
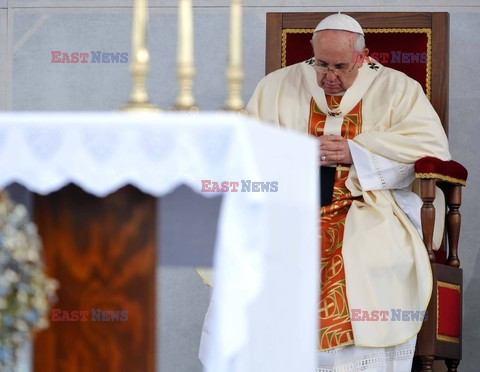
point(372, 123)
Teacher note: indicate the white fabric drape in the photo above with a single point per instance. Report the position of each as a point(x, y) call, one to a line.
point(265, 284)
point(376, 172)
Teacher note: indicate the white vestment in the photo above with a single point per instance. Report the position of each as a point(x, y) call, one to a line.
point(390, 268)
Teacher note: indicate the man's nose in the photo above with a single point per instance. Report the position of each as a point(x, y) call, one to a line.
point(331, 76)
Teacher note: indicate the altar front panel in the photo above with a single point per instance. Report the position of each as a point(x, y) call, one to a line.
point(103, 253)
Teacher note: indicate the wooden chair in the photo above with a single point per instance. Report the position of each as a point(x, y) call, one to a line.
point(425, 35)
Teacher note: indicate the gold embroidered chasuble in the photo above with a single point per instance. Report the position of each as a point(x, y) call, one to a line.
point(335, 328)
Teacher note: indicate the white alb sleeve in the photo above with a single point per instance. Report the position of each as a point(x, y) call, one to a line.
point(376, 172)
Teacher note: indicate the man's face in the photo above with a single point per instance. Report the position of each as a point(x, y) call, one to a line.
point(335, 50)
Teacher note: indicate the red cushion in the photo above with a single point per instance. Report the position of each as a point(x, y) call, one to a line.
point(449, 307)
point(383, 47)
point(449, 171)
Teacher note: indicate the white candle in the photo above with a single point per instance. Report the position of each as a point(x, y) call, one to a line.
point(235, 42)
point(139, 25)
point(185, 33)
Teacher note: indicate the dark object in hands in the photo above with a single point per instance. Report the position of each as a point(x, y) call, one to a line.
point(327, 178)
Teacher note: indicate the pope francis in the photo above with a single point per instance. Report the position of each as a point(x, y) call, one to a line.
point(372, 123)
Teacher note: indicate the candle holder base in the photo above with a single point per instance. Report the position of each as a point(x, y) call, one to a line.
point(140, 107)
point(193, 108)
point(241, 111)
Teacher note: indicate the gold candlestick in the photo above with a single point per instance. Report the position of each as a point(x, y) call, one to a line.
point(185, 66)
point(234, 73)
point(139, 64)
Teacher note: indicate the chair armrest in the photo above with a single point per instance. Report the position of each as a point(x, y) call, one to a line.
point(446, 171)
point(451, 176)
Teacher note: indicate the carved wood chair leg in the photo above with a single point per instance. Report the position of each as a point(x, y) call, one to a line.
point(426, 363)
point(452, 364)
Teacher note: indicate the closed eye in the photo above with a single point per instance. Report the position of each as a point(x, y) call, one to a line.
point(321, 63)
point(340, 66)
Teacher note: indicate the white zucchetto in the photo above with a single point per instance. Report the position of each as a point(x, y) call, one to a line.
point(340, 22)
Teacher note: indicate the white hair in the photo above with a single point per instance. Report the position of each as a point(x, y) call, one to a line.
point(358, 46)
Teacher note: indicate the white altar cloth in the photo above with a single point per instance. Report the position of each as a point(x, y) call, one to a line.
point(266, 255)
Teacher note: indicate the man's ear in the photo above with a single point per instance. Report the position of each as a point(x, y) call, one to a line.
point(363, 56)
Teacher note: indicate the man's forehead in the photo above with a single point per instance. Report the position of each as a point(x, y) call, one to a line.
point(333, 50)
point(332, 61)
point(335, 37)
point(334, 55)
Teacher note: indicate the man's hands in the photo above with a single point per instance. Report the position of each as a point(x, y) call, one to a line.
point(334, 150)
